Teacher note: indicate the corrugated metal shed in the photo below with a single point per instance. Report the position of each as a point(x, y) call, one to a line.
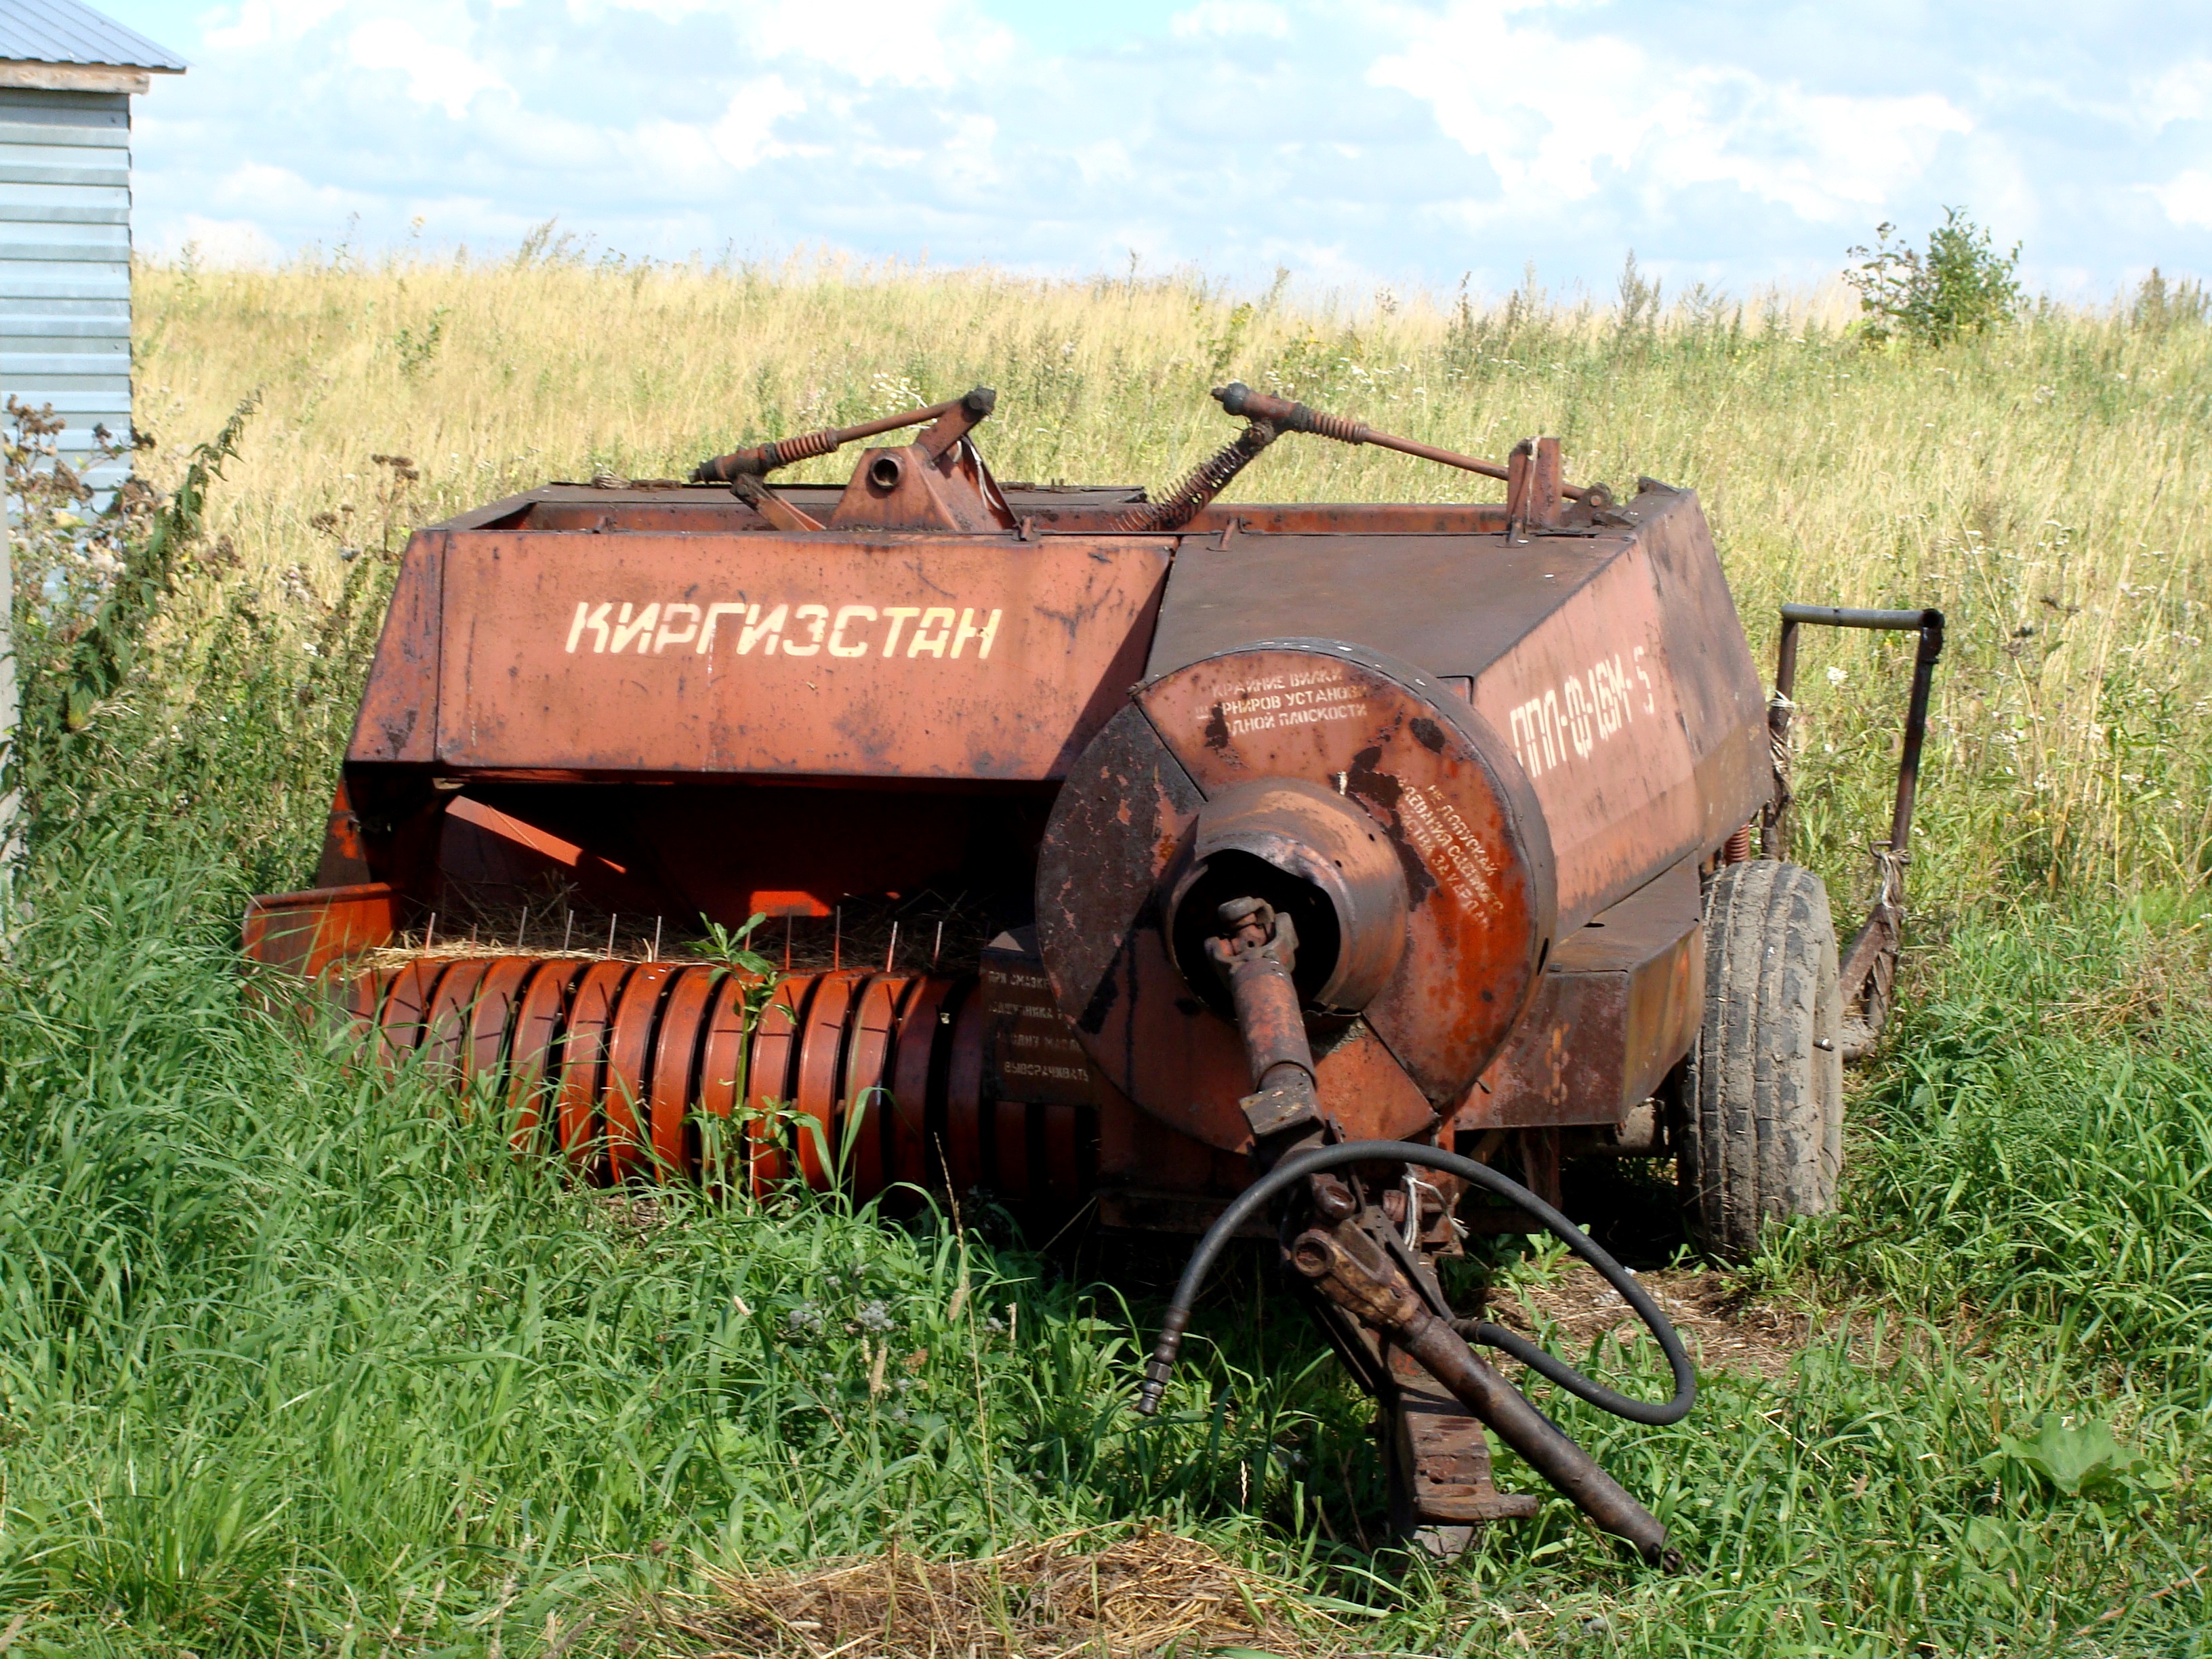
point(66, 75)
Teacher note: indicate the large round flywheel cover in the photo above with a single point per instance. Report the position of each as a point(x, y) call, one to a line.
point(1449, 796)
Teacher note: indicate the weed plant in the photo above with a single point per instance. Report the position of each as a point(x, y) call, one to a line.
point(296, 1359)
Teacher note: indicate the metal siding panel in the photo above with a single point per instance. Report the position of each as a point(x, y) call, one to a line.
point(114, 197)
point(63, 147)
point(71, 356)
point(21, 333)
point(90, 405)
point(65, 262)
point(74, 98)
point(76, 285)
point(48, 107)
point(17, 211)
point(13, 170)
point(30, 225)
point(53, 249)
point(56, 146)
point(74, 368)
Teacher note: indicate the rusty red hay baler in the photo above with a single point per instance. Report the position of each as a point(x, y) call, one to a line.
point(1210, 865)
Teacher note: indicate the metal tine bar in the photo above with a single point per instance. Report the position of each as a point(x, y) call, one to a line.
point(1240, 400)
point(784, 452)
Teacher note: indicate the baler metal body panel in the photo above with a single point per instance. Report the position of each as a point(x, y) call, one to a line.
point(654, 654)
point(1612, 662)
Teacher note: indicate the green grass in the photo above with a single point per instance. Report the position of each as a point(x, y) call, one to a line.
point(289, 1356)
point(297, 1360)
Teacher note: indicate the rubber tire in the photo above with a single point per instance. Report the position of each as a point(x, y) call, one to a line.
point(1760, 1122)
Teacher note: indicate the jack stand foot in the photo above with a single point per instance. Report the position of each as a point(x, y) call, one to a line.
point(1440, 1485)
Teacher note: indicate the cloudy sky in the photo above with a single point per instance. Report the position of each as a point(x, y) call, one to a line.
point(1355, 142)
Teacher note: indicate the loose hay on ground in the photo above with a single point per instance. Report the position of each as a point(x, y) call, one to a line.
point(1724, 1330)
point(1141, 1596)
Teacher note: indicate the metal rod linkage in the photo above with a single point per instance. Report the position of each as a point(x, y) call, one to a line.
point(1869, 961)
point(1240, 400)
point(763, 458)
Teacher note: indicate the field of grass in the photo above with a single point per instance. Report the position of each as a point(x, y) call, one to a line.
point(295, 1360)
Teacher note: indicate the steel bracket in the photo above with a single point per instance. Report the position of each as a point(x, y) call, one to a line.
point(1870, 961)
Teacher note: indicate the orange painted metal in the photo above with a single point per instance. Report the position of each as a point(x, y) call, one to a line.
point(629, 1043)
point(447, 1020)
point(364, 998)
point(870, 1045)
point(616, 1059)
point(1638, 758)
point(1619, 1008)
point(396, 723)
point(677, 1082)
point(579, 1117)
point(1611, 662)
point(907, 487)
point(771, 1085)
point(912, 1082)
point(401, 1016)
point(1436, 782)
point(761, 459)
point(819, 1087)
point(491, 1020)
point(956, 1149)
point(722, 1076)
point(959, 657)
point(532, 1068)
point(307, 932)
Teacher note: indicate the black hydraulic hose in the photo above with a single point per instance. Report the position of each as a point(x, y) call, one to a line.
point(1294, 1170)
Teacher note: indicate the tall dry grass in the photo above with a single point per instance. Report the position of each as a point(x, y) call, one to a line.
point(2042, 485)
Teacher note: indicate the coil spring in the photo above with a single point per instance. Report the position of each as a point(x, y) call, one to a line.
point(1341, 427)
point(1201, 485)
point(846, 1078)
point(762, 459)
point(789, 451)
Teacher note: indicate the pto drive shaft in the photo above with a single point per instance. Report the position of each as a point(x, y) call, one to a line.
point(1255, 953)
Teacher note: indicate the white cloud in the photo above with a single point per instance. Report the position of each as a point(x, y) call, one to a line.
point(741, 137)
point(2187, 198)
point(2180, 93)
point(1496, 89)
point(221, 241)
point(262, 190)
point(1222, 18)
point(436, 73)
point(259, 22)
point(669, 11)
point(929, 43)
